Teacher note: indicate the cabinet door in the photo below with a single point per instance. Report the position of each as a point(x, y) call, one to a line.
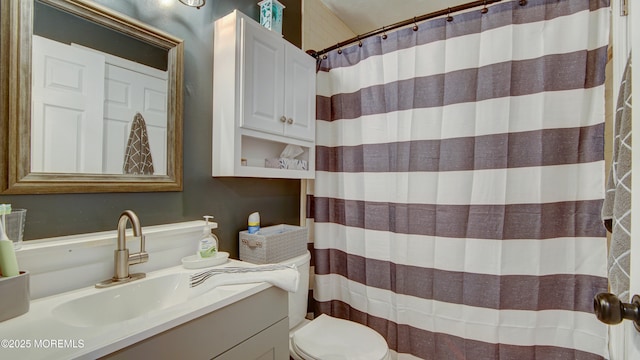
point(300, 94)
point(263, 69)
point(270, 344)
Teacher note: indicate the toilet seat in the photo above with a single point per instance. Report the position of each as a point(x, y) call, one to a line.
point(328, 338)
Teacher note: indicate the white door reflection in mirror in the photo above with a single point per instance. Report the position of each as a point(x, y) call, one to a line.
point(130, 88)
point(73, 129)
point(66, 127)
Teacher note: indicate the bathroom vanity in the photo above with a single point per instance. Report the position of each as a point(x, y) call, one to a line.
point(159, 316)
point(242, 321)
point(255, 327)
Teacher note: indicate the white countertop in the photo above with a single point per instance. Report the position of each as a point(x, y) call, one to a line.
point(39, 335)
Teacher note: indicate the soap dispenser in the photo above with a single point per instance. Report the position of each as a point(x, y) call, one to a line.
point(208, 245)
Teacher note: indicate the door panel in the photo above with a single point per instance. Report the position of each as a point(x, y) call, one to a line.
point(67, 111)
point(128, 91)
point(300, 95)
point(263, 65)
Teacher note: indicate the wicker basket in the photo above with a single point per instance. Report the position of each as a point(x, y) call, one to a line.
point(273, 244)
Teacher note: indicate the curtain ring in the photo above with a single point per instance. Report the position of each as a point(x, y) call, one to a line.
point(415, 26)
point(318, 62)
point(384, 34)
point(449, 17)
point(522, 2)
point(359, 41)
point(339, 48)
point(484, 9)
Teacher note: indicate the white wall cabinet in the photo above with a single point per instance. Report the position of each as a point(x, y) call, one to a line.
point(263, 100)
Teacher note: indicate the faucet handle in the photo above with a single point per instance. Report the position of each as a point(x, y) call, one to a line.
point(139, 257)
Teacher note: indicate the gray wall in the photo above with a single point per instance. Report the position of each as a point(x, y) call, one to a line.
point(230, 200)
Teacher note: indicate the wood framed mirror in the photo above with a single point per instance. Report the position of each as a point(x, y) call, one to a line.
point(29, 139)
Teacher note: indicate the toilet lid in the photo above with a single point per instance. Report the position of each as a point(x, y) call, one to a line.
point(327, 338)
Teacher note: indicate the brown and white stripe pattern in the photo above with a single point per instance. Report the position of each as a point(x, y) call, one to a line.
point(459, 184)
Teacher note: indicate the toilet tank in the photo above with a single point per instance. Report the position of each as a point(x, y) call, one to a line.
point(298, 299)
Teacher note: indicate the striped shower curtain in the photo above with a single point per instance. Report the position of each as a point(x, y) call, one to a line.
point(459, 184)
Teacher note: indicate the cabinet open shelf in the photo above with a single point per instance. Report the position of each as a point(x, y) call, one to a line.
point(256, 150)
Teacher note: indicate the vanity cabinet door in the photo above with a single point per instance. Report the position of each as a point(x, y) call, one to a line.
point(262, 346)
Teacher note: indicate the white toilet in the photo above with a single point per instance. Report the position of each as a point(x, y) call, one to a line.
point(327, 337)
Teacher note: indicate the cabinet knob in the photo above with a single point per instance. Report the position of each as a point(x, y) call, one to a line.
point(283, 118)
point(289, 121)
point(610, 310)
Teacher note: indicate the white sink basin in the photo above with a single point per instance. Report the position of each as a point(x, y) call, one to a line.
point(124, 302)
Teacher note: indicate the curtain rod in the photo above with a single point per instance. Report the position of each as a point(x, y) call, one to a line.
point(447, 11)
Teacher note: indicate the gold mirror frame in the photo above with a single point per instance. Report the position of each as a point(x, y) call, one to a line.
point(15, 97)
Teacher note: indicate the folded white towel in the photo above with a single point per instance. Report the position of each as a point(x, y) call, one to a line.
point(282, 276)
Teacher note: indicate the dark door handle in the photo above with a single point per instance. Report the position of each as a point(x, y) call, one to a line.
point(610, 310)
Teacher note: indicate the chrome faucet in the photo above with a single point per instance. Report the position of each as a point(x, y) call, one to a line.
point(122, 258)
